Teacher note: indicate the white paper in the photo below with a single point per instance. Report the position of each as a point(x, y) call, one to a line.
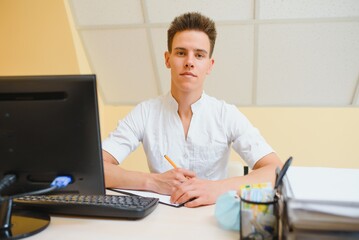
point(328, 190)
point(339, 210)
point(324, 184)
point(165, 199)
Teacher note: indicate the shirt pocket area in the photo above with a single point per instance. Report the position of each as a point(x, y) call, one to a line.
point(211, 159)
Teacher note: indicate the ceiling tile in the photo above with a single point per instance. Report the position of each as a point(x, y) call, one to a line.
point(121, 59)
point(106, 12)
point(232, 74)
point(291, 9)
point(308, 64)
point(217, 10)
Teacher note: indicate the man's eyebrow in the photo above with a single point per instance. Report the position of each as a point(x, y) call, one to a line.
point(201, 50)
point(180, 48)
point(196, 50)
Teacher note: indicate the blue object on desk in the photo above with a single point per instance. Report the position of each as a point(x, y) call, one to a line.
point(227, 210)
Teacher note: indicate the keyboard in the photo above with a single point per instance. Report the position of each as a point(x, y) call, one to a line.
point(113, 206)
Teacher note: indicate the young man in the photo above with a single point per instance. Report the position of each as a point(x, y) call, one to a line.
point(195, 130)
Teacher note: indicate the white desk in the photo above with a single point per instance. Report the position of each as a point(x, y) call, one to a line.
point(164, 222)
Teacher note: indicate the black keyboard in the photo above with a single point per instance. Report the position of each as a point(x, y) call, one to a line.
point(114, 206)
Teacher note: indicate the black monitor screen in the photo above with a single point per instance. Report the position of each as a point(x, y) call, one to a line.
point(49, 126)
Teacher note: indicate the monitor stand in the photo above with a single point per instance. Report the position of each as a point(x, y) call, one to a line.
point(20, 223)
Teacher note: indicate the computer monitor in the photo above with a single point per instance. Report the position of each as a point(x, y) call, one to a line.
point(49, 126)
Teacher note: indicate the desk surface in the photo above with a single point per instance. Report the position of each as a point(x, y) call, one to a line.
point(164, 222)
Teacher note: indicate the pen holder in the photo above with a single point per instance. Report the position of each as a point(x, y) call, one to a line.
point(259, 220)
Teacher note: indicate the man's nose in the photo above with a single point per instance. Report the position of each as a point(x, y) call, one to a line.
point(189, 62)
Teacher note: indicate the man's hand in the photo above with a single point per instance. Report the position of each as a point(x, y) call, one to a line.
point(197, 192)
point(167, 182)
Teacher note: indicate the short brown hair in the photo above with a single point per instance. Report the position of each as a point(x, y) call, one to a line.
point(192, 21)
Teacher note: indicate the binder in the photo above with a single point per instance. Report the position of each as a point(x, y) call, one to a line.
point(322, 203)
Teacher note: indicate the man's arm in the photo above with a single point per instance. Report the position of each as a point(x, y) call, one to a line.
point(164, 183)
point(206, 192)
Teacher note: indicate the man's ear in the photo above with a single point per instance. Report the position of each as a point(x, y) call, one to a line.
point(210, 66)
point(167, 59)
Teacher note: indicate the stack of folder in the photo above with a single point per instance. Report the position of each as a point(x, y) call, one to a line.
point(322, 203)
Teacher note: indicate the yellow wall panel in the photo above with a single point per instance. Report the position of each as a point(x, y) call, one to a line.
point(35, 38)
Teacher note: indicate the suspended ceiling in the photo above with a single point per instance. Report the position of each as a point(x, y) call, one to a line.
point(268, 52)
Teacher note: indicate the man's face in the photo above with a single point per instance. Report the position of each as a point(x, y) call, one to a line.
point(189, 61)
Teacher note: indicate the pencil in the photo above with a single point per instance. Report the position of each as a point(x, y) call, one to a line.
point(170, 161)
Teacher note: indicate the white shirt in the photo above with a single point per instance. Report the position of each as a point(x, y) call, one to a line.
point(214, 127)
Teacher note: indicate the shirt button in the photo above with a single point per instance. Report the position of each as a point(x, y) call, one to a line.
point(185, 155)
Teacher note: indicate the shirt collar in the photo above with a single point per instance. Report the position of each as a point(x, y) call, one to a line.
point(195, 106)
point(171, 101)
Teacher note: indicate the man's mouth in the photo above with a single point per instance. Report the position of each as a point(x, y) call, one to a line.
point(185, 74)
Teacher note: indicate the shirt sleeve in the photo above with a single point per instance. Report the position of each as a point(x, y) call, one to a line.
point(127, 136)
point(246, 139)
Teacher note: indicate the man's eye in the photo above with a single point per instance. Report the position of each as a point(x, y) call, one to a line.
point(180, 53)
point(200, 56)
